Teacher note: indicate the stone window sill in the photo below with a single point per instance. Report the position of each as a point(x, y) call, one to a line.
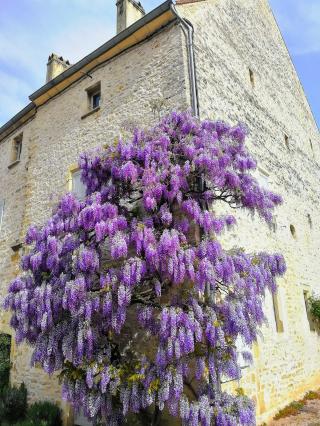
point(13, 164)
point(90, 112)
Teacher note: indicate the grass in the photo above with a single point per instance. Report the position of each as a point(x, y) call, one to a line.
point(311, 395)
point(290, 410)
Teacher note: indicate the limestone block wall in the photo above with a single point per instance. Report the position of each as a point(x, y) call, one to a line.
point(13, 192)
point(231, 38)
point(133, 85)
point(245, 74)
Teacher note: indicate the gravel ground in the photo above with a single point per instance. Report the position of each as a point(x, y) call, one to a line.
point(309, 416)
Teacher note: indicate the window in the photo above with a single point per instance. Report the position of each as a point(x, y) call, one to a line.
point(94, 96)
point(251, 75)
point(77, 187)
point(242, 350)
point(310, 220)
point(95, 100)
point(1, 212)
point(308, 313)
point(273, 223)
point(293, 231)
point(311, 146)
point(276, 311)
point(16, 148)
point(286, 141)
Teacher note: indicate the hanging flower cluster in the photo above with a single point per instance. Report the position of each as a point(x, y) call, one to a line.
point(130, 294)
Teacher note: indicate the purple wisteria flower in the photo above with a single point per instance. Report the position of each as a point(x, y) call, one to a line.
point(130, 294)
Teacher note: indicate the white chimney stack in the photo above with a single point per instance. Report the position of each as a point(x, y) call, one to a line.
point(55, 66)
point(128, 12)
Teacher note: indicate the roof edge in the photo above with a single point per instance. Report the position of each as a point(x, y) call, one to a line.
point(29, 111)
point(164, 7)
point(21, 117)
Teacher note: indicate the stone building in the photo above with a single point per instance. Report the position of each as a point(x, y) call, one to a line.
point(224, 59)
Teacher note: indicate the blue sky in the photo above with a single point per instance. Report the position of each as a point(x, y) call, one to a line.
point(31, 29)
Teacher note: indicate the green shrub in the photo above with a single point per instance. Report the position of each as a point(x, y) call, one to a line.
point(314, 303)
point(44, 411)
point(292, 409)
point(5, 346)
point(311, 395)
point(13, 403)
point(30, 423)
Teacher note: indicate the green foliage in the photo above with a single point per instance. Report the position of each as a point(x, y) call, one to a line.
point(30, 423)
point(13, 403)
point(44, 412)
point(5, 345)
point(311, 395)
point(314, 303)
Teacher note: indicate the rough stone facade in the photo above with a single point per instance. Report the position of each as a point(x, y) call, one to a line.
point(132, 84)
point(244, 74)
point(233, 37)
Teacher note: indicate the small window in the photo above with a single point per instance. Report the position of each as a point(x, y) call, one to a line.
point(16, 148)
point(251, 75)
point(1, 212)
point(308, 313)
point(293, 231)
point(95, 100)
point(310, 220)
point(311, 146)
point(286, 141)
point(94, 96)
point(273, 223)
point(242, 349)
point(78, 188)
point(276, 311)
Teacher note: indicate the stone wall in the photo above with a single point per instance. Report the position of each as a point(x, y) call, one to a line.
point(136, 87)
point(231, 38)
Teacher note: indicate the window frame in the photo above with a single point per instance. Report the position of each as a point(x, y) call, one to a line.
point(16, 153)
point(94, 96)
point(252, 78)
point(72, 170)
point(310, 321)
point(278, 320)
point(93, 91)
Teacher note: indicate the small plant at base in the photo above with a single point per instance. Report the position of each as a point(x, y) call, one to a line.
point(311, 395)
point(44, 411)
point(13, 403)
point(27, 422)
point(293, 409)
point(5, 343)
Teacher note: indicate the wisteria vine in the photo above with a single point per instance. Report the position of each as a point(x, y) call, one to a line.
point(129, 293)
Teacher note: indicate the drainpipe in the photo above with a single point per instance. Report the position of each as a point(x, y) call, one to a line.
point(188, 30)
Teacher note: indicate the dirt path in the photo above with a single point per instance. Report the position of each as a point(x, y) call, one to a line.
point(309, 416)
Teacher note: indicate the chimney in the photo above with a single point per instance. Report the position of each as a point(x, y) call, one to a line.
point(128, 12)
point(55, 66)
